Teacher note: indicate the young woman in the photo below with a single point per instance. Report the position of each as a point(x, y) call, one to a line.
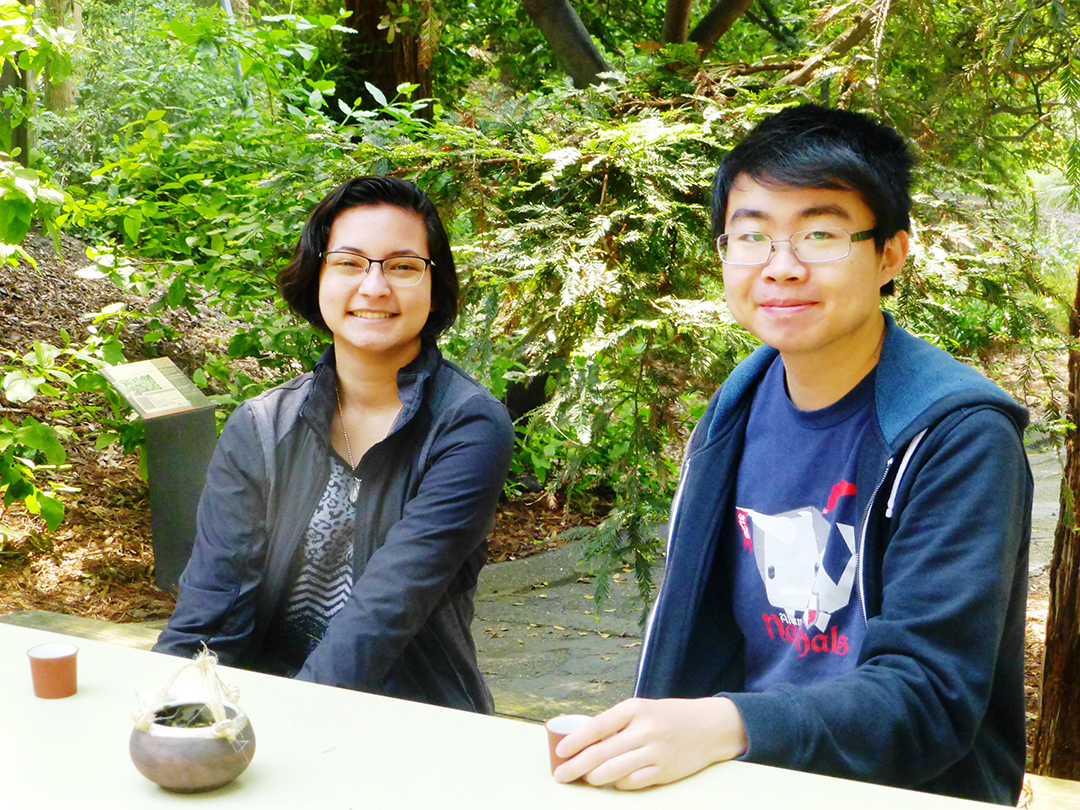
point(346, 512)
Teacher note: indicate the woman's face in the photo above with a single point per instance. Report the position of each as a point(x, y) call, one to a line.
point(366, 314)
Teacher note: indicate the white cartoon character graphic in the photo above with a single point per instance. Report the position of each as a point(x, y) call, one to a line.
point(789, 549)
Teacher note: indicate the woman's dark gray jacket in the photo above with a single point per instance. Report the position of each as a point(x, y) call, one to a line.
point(426, 505)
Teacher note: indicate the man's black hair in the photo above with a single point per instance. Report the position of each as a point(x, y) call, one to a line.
point(817, 147)
point(299, 279)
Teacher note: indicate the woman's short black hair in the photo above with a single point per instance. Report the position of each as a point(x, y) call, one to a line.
point(817, 147)
point(299, 279)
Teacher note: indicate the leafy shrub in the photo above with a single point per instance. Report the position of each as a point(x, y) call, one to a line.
point(579, 218)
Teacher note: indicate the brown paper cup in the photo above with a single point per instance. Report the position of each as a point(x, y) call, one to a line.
point(52, 667)
point(559, 727)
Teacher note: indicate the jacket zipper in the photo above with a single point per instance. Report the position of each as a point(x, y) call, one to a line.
point(912, 446)
point(667, 564)
point(862, 541)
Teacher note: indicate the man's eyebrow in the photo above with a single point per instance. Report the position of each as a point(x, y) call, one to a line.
point(826, 210)
point(747, 213)
point(823, 210)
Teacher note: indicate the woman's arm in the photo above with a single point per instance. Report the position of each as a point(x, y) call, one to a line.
point(216, 604)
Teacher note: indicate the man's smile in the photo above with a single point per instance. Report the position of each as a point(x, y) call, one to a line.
point(782, 304)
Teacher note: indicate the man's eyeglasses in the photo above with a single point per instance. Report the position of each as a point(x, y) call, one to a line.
point(400, 271)
point(817, 245)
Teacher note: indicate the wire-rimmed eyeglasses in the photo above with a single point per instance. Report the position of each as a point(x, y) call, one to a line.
point(812, 246)
point(400, 271)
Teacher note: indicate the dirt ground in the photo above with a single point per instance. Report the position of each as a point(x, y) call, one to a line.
point(99, 563)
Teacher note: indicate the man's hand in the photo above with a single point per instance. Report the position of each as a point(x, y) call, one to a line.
point(652, 742)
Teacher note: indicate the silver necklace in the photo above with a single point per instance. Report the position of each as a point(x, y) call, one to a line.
point(354, 483)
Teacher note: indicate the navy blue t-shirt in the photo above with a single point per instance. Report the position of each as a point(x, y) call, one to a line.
point(795, 523)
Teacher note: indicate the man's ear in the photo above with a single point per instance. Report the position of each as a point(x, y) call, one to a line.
point(893, 256)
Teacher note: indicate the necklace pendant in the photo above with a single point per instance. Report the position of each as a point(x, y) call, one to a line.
point(354, 490)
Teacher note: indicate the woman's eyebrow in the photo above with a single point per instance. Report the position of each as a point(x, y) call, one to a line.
point(359, 252)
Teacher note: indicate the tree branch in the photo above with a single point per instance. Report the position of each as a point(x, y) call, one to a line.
point(839, 46)
point(1023, 136)
point(568, 39)
point(772, 26)
point(1005, 109)
point(716, 23)
point(748, 70)
point(1040, 70)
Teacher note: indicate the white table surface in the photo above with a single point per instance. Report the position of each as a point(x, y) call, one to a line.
point(321, 747)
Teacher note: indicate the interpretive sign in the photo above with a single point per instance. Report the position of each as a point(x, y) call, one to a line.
point(155, 387)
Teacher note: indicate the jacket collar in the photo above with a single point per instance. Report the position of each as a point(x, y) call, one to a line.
point(916, 384)
point(320, 406)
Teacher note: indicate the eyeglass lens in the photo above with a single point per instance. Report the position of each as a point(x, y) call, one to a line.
point(403, 271)
point(818, 245)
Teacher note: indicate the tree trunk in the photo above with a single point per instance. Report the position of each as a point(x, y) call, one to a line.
point(676, 21)
point(63, 14)
point(566, 36)
point(405, 60)
point(1057, 737)
point(21, 135)
point(716, 23)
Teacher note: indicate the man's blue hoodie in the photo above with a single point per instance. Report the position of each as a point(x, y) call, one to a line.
point(936, 701)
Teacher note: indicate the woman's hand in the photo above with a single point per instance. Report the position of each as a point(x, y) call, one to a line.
point(641, 742)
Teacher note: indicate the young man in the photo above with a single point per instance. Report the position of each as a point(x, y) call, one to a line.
point(847, 563)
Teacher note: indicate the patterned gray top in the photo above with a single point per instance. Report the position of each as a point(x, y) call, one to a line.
point(324, 572)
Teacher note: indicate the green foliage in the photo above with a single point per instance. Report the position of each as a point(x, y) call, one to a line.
point(974, 84)
point(1069, 89)
point(210, 199)
point(24, 196)
point(579, 218)
point(30, 47)
point(491, 41)
point(31, 450)
point(19, 446)
point(974, 286)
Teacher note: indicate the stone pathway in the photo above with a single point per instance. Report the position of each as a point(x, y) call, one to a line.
point(547, 648)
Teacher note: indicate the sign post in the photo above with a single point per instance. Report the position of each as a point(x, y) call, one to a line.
point(180, 438)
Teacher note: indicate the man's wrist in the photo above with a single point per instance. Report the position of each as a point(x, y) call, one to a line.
point(729, 733)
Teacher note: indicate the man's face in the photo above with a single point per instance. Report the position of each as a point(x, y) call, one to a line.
point(811, 312)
